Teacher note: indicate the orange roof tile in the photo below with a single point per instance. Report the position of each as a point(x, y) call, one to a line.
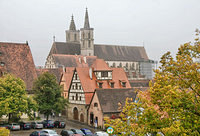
point(100, 65)
point(68, 75)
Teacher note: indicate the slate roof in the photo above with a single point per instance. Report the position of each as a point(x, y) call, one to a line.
point(120, 53)
point(73, 60)
point(57, 72)
point(109, 98)
point(18, 61)
point(65, 48)
point(139, 83)
point(106, 52)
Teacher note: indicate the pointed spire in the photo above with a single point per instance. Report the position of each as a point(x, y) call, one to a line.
point(72, 24)
point(86, 24)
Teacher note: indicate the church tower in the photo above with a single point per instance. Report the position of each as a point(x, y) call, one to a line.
point(72, 35)
point(87, 40)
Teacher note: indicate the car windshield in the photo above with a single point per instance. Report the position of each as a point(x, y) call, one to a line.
point(87, 130)
point(39, 122)
point(52, 132)
point(70, 132)
point(79, 131)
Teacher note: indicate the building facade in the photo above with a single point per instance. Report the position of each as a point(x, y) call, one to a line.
point(133, 59)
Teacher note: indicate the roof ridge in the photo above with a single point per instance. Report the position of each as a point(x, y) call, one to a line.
point(119, 45)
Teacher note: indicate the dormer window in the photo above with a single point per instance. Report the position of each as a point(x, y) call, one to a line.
point(112, 85)
point(100, 85)
point(123, 84)
point(2, 64)
point(104, 74)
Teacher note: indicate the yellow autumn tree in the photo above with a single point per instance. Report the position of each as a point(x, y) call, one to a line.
point(171, 105)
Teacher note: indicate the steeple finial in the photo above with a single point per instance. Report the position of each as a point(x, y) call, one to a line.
point(86, 24)
point(72, 24)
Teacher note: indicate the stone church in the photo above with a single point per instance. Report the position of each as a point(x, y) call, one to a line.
point(133, 59)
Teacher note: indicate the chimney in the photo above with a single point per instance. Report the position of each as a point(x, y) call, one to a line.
point(90, 73)
point(79, 59)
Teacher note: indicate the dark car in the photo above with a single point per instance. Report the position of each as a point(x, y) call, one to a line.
point(24, 125)
point(48, 124)
point(65, 132)
point(77, 131)
point(38, 133)
point(4, 125)
point(59, 124)
point(86, 131)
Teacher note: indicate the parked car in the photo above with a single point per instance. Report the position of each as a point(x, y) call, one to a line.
point(36, 125)
point(86, 131)
point(4, 125)
point(38, 133)
point(50, 132)
point(101, 133)
point(77, 131)
point(14, 126)
point(24, 125)
point(48, 124)
point(59, 124)
point(65, 132)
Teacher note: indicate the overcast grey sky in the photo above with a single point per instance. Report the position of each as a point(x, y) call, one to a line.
point(159, 25)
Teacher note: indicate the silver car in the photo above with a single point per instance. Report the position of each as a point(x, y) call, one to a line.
point(50, 132)
point(14, 126)
point(36, 125)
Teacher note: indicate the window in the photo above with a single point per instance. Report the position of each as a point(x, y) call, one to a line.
point(76, 86)
point(74, 37)
point(80, 98)
point(72, 86)
point(89, 44)
point(76, 76)
point(104, 74)
point(79, 87)
point(72, 97)
point(123, 84)
point(112, 85)
point(95, 104)
point(114, 64)
point(76, 96)
point(2, 64)
point(120, 64)
point(100, 85)
point(88, 35)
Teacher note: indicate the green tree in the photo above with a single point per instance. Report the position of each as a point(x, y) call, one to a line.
point(14, 100)
point(172, 103)
point(48, 95)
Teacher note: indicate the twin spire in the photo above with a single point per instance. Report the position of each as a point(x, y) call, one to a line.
point(86, 23)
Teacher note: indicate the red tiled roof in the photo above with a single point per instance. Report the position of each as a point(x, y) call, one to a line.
point(18, 61)
point(68, 75)
point(74, 60)
point(100, 65)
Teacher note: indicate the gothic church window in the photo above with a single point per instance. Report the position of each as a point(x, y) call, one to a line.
point(75, 37)
point(89, 44)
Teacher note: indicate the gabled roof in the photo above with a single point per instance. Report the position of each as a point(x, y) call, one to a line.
point(74, 60)
point(57, 72)
point(18, 61)
point(102, 51)
point(68, 75)
point(110, 98)
point(100, 65)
